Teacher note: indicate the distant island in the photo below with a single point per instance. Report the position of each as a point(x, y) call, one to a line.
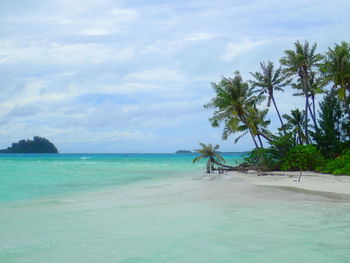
point(183, 151)
point(37, 145)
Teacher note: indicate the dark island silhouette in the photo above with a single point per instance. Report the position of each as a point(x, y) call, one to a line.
point(37, 145)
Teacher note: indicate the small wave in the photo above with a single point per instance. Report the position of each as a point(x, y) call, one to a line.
point(26, 249)
point(85, 158)
point(67, 201)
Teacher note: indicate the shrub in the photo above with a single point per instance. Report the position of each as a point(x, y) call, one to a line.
point(263, 158)
point(303, 157)
point(340, 165)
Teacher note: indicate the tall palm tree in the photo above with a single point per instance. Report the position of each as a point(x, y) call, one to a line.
point(301, 63)
point(209, 151)
point(233, 105)
point(316, 87)
point(336, 69)
point(294, 124)
point(268, 81)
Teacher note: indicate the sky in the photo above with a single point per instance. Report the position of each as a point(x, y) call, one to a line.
point(133, 76)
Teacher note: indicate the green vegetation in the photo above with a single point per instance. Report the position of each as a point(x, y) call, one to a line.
point(340, 165)
point(309, 137)
point(303, 157)
point(37, 145)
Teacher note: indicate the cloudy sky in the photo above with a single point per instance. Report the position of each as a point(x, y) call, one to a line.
point(132, 76)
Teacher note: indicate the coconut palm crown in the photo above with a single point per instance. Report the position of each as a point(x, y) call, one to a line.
point(294, 124)
point(209, 151)
point(268, 81)
point(336, 69)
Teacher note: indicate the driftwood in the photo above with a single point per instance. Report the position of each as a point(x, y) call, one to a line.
point(244, 168)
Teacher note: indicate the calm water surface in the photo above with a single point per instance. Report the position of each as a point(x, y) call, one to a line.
point(24, 176)
point(158, 208)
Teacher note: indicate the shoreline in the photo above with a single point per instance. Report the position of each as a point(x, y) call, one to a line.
point(310, 181)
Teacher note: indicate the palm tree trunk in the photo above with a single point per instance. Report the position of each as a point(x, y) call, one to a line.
point(299, 138)
point(306, 119)
point(209, 165)
point(346, 104)
point(312, 112)
point(314, 109)
point(265, 137)
point(306, 93)
point(256, 145)
point(261, 144)
point(278, 113)
point(223, 165)
point(250, 130)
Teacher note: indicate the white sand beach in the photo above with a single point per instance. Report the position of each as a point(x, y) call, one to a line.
point(309, 181)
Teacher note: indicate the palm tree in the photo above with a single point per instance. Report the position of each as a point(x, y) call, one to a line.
point(210, 152)
point(269, 81)
point(233, 125)
point(233, 104)
point(301, 63)
point(257, 120)
point(316, 87)
point(336, 69)
point(294, 124)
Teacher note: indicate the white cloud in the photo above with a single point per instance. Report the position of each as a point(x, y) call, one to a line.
point(237, 48)
point(15, 131)
point(105, 69)
point(106, 24)
point(200, 36)
point(172, 44)
point(34, 91)
point(23, 111)
point(157, 74)
point(50, 53)
point(131, 88)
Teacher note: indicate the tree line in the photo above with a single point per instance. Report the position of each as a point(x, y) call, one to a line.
point(321, 131)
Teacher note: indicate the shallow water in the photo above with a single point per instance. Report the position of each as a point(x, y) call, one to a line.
point(181, 216)
point(25, 176)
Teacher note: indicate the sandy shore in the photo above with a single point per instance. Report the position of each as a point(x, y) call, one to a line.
point(309, 181)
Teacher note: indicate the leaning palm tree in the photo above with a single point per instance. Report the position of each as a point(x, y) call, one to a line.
point(233, 125)
point(256, 123)
point(268, 81)
point(210, 152)
point(302, 63)
point(336, 69)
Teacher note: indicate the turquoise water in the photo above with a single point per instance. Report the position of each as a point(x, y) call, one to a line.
point(159, 208)
point(24, 176)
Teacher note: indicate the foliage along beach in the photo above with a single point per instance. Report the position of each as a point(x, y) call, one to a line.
point(312, 137)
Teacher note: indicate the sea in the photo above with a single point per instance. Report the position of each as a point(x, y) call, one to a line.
point(159, 208)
